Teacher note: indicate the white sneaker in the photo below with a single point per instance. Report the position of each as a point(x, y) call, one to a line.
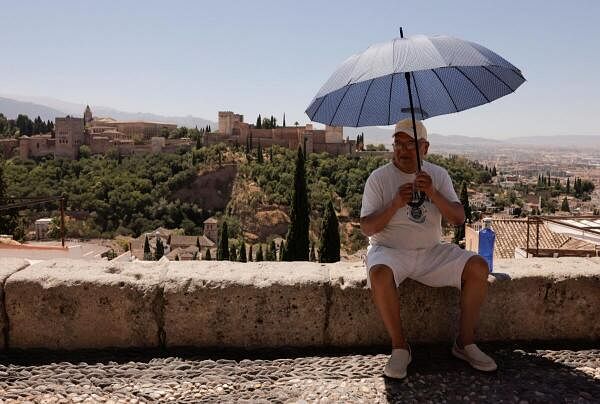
point(476, 358)
point(395, 367)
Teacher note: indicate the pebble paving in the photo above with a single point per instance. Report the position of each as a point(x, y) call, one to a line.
point(525, 375)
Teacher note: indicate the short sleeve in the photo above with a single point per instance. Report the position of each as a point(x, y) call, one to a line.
point(446, 188)
point(372, 199)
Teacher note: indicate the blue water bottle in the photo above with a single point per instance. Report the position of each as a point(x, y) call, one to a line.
point(487, 237)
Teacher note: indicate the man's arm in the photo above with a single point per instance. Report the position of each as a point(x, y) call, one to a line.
point(453, 212)
point(375, 222)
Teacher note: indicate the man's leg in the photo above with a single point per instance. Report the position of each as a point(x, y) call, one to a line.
point(474, 290)
point(385, 296)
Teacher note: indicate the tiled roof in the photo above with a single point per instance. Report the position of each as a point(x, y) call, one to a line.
point(206, 242)
point(183, 240)
point(512, 233)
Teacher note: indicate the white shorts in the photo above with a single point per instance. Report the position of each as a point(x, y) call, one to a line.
point(441, 265)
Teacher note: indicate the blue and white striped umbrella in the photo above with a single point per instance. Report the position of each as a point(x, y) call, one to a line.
point(445, 74)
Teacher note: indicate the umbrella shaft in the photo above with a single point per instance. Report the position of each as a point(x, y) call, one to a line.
point(412, 113)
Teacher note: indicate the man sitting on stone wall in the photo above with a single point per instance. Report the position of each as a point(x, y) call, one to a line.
point(405, 242)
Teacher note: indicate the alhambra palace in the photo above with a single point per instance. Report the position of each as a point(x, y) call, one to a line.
point(102, 135)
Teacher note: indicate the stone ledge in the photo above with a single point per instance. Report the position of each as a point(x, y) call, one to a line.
point(69, 304)
point(8, 266)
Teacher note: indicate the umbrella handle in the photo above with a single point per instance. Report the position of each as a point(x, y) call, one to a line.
point(416, 203)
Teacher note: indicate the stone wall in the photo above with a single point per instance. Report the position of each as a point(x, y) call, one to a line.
point(72, 304)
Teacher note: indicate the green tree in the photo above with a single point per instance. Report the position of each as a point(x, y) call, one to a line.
point(160, 249)
point(207, 255)
point(250, 254)
point(259, 154)
point(259, 253)
point(459, 231)
point(564, 207)
point(223, 249)
point(8, 219)
point(568, 187)
point(147, 252)
point(271, 251)
point(3, 124)
point(329, 240)
point(258, 122)
point(85, 151)
point(282, 252)
point(24, 124)
point(232, 253)
point(297, 237)
point(284, 119)
point(242, 251)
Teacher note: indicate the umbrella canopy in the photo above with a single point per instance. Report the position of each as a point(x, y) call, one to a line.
point(445, 74)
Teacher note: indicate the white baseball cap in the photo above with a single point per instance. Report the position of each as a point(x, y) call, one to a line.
point(406, 126)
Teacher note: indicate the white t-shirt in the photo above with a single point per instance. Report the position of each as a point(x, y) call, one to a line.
point(408, 229)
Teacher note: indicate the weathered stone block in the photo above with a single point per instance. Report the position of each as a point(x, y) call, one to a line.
point(543, 299)
point(69, 304)
point(428, 314)
point(251, 305)
point(528, 299)
point(8, 266)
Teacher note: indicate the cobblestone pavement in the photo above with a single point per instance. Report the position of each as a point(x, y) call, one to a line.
point(525, 375)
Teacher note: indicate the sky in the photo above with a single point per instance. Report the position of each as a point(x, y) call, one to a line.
point(271, 57)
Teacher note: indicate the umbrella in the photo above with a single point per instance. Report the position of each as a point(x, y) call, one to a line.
point(418, 77)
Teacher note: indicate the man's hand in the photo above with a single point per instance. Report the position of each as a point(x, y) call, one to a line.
point(424, 184)
point(404, 195)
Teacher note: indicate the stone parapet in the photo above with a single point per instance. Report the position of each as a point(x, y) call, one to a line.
point(72, 304)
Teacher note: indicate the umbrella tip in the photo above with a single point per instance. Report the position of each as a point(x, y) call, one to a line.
point(401, 33)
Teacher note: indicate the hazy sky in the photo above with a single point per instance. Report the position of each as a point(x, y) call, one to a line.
point(270, 57)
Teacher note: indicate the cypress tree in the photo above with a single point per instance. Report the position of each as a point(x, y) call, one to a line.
point(250, 257)
point(259, 122)
point(273, 250)
point(284, 119)
point(147, 252)
point(272, 254)
point(459, 231)
point(177, 257)
point(233, 253)
point(259, 154)
point(494, 171)
point(160, 249)
point(329, 240)
point(259, 253)
point(568, 186)
point(297, 236)
point(565, 205)
point(282, 251)
point(207, 255)
point(242, 251)
point(223, 249)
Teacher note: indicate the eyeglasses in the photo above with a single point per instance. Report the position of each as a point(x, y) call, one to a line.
point(405, 145)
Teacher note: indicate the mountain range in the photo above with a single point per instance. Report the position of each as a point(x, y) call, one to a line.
point(49, 108)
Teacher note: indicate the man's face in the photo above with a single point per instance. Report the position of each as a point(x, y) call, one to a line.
point(404, 149)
